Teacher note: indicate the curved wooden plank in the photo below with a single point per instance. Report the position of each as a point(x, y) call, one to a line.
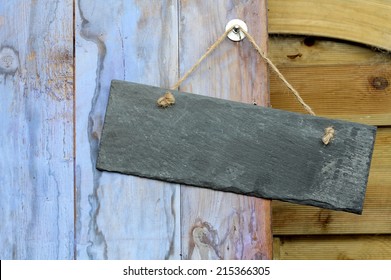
point(297, 50)
point(352, 93)
point(340, 73)
point(122, 217)
point(218, 225)
point(36, 130)
point(351, 82)
point(363, 21)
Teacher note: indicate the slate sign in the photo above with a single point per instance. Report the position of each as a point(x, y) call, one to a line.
point(235, 147)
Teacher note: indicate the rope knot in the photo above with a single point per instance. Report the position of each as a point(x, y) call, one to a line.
point(166, 100)
point(328, 135)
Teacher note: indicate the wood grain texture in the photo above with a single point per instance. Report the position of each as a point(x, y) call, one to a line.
point(36, 130)
point(235, 227)
point(336, 79)
point(360, 21)
point(346, 247)
point(221, 225)
point(353, 93)
point(291, 219)
point(326, 54)
point(235, 147)
point(295, 50)
point(333, 94)
point(122, 217)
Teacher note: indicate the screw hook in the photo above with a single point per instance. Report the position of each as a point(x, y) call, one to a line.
point(236, 33)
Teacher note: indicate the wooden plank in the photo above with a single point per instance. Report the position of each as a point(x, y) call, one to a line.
point(289, 219)
point(363, 21)
point(214, 224)
point(36, 130)
point(222, 145)
point(335, 85)
point(336, 69)
point(122, 217)
point(294, 50)
point(347, 247)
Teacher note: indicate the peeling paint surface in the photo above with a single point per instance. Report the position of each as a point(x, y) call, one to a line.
point(122, 217)
point(218, 225)
point(36, 131)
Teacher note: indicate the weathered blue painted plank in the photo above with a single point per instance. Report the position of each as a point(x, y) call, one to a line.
point(122, 217)
point(218, 225)
point(127, 217)
point(117, 216)
point(36, 130)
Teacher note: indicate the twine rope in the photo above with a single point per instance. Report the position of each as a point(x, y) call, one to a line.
point(214, 46)
point(199, 61)
point(168, 99)
point(279, 74)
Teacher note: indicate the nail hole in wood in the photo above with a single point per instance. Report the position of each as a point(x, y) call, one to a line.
point(309, 41)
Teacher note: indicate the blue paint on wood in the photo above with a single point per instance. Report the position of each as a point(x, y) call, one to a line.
point(122, 217)
point(129, 40)
point(36, 131)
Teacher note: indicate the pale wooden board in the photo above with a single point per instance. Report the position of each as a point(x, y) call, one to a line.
point(36, 130)
point(289, 219)
point(328, 54)
point(363, 21)
point(295, 50)
point(122, 217)
point(346, 92)
point(222, 225)
point(346, 247)
point(337, 79)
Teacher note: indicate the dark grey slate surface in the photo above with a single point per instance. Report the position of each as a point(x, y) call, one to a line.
point(231, 146)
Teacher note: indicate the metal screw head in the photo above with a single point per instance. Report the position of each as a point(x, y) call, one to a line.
point(236, 33)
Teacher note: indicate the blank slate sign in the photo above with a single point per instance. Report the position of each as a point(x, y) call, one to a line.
point(235, 147)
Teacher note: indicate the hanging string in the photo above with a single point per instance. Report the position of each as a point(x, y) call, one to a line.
point(279, 74)
point(163, 100)
point(205, 55)
point(168, 99)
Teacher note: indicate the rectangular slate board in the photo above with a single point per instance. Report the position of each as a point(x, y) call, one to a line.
point(235, 147)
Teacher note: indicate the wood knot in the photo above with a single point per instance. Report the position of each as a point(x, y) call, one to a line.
point(379, 83)
point(293, 56)
point(166, 100)
point(325, 218)
point(9, 61)
point(328, 135)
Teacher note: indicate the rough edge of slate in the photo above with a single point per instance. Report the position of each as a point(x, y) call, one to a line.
point(312, 202)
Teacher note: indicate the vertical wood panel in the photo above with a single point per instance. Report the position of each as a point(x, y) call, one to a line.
point(122, 217)
point(36, 130)
point(218, 225)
